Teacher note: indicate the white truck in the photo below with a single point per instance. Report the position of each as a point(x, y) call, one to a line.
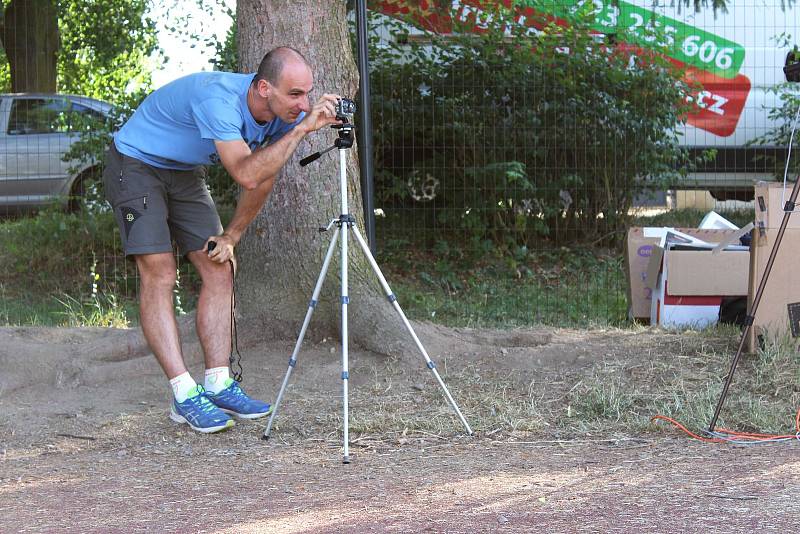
point(737, 55)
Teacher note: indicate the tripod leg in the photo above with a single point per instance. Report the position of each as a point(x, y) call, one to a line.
point(788, 208)
point(345, 363)
point(306, 321)
point(393, 300)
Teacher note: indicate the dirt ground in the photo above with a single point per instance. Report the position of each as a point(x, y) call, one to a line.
point(86, 446)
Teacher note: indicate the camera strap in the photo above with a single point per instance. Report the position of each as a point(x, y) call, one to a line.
point(235, 357)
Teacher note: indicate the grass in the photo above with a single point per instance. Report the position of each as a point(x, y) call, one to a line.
point(52, 259)
point(763, 395)
point(676, 374)
point(66, 270)
point(576, 286)
point(20, 307)
point(544, 289)
point(682, 378)
point(100, 310)
point(684, 382)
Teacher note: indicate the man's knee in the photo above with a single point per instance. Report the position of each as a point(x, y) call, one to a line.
point(217, 275)
point(157, 270)
point(212, 273)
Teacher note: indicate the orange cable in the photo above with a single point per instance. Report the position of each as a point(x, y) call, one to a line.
point(733, 433)
point(751, 435)
point(692, 434)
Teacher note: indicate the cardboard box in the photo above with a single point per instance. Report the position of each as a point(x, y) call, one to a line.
point(770, 198)
point(638, 250)
point(771, 320)
point(689, 285)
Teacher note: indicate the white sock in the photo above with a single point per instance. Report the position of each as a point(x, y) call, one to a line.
point(182, 385)
point(216, 378)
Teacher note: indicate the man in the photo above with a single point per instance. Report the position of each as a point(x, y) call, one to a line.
point(252, 123)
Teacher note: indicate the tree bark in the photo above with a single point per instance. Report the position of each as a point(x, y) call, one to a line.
point(31, 41)
point(282, 252)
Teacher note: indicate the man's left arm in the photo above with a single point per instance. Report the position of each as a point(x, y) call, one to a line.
point(248, 206)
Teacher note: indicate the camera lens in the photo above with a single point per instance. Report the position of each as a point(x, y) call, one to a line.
point(345, 106)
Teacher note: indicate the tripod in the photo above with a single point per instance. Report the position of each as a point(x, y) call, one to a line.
point(788, 208)
point(344, 223)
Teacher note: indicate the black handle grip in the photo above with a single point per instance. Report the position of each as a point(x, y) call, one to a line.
point(212, 245)
point(308, 159)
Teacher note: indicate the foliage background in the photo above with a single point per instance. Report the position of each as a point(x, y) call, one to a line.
point(106, 48)
point(511, 139)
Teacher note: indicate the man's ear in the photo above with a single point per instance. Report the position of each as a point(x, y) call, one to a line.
point(264, 88)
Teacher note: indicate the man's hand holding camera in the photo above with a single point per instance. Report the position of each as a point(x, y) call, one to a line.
point(322, 114)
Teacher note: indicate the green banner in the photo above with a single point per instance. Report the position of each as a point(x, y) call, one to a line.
point(645, 28)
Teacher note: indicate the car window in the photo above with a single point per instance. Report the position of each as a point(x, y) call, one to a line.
point(83, 118)
point(51, 115)
point(36, 116)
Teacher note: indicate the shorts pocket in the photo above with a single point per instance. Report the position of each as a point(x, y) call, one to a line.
point(130, 210)
point(142, 197)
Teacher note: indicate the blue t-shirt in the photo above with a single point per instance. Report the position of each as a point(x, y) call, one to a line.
point(176, 125)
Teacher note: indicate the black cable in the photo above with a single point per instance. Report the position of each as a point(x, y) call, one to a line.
point(236, 356)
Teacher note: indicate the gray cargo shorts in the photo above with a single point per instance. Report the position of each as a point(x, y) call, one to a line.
point(154, 207)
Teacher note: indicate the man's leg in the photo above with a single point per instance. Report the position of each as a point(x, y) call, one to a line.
point(158, 275)
point(214, 309)
point(138, 194)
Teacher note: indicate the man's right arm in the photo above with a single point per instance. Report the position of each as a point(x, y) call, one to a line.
point(251, 168)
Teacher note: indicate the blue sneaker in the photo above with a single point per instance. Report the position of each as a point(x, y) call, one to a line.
point(200, 413)
point(234, 401)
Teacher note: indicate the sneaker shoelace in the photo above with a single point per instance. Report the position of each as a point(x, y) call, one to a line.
point(202, 401)
point(236, 390)
point(237, 394)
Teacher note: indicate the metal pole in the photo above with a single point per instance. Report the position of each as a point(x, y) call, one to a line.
point(365, 124)
point(345, 300)
point(788, 209)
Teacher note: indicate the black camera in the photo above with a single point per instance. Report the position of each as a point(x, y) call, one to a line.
point(345, 106)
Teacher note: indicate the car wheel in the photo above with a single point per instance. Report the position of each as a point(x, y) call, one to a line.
point(84, 188)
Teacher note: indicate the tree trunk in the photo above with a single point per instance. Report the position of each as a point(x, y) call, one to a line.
point(31, 41)
point(282, 252)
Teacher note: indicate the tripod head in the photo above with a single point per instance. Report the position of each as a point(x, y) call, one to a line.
point(344, 140)
point(345, 132)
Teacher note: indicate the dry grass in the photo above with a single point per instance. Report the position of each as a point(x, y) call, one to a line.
point(649, 372)
point(679, 375)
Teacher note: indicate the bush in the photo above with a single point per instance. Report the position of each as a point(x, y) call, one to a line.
point(510, 137)
point(73, 262)
point(53, 251)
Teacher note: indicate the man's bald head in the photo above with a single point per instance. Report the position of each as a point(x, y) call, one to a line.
point(272, 65)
